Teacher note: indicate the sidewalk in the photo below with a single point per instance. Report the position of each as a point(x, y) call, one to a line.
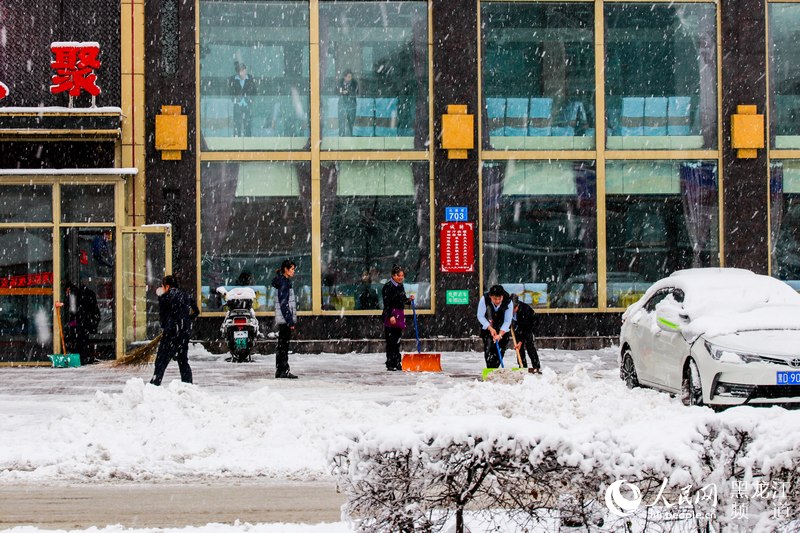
point(164, 505)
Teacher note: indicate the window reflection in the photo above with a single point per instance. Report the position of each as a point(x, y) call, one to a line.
point(253, 216)
point(661, 76)
point(254, 75)
point(26, 294)
point(538, 75)
point(785, 221)
point(540, 231)
point(784, 64)
point(662, 216)
point(374, 75)
point(26, 203)
point(374, 215)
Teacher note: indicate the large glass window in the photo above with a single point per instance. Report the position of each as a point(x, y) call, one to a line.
point(87, 203)
point(538, 75)
point(662, 216)
point(784, 74)
point(374, 215)
point(785, 221)
point(540, 231)
point(253, 216)
point(374, 73)
point(26, 294)
point(661, 76)
point(254, 75)
point(26, 203)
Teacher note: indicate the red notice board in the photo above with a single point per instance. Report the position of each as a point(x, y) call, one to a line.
point(457, 247)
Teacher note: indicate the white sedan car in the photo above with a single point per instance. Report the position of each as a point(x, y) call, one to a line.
point(715, 336)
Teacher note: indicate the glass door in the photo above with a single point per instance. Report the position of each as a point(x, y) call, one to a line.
point(146, 259)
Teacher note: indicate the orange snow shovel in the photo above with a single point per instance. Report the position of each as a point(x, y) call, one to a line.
point(421, 362)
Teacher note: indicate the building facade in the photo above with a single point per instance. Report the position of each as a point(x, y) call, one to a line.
point(572, 151)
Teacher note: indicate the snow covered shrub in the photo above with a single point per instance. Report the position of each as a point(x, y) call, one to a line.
point(522, 476)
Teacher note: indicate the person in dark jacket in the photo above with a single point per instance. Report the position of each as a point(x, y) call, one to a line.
point(193, 313)
point(285, 316)
point(495, 314)
point(523, 322)
point(173, 311)
point(348, 88)
point(82, 320)
point(242, 88)
point(394, 318)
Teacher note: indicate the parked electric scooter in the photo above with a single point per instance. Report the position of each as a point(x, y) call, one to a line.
point(240, 325)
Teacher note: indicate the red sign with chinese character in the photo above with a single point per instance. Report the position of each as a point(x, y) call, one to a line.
point(27, 280)
point(74, 65)
point(3, 90)
point(457, 247)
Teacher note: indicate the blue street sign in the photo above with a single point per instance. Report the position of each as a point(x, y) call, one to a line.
point(455, 214)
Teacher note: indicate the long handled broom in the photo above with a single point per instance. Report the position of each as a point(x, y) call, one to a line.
point(421, 362)
point(140, 356)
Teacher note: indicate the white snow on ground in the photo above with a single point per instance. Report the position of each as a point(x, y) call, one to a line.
point(104, 424)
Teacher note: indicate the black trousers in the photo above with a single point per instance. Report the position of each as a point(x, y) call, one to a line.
point(282, 350)
point(242, 121)
point(528, 347)
point(77, 340)
point(169, 347)
point(392, 336)
point(490, 348)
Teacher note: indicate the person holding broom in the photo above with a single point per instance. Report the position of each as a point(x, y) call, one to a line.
point(174, 311)
point(523, 330)
point(394, 317)
point(495, 315)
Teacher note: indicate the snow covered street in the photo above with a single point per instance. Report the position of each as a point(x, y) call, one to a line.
point(102, 425)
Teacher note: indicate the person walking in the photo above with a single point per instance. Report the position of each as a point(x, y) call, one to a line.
point(285, 316)
point(495, 314)
point(523, 322)
point(394, 318)
point(173, 312)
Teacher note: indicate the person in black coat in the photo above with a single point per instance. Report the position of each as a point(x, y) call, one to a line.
point(173, 310)
point(82, 320)
point(242, 88)
point(524, 320)
point(193, 313)
point(394, 318)
point(348, 88)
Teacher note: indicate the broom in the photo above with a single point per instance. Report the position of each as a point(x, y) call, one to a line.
point(140, 356)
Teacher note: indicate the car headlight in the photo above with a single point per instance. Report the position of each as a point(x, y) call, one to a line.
point(726, 355)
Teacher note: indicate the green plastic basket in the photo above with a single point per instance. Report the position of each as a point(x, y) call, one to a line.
point(61, 360)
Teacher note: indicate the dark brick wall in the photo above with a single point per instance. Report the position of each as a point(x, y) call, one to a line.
point(745, 180)
point(171, 184)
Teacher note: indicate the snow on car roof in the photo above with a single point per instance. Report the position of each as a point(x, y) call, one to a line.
point(726, 300)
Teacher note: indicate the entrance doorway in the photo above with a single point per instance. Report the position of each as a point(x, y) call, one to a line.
point(87, 277)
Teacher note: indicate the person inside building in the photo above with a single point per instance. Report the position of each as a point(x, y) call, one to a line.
point(495, 314)
point(522, 323)
point(348, 88)
point(173, 311)
point(394, 317)
point(83, 317)
point(242, 89)
point(285, 316)
point(367, 295)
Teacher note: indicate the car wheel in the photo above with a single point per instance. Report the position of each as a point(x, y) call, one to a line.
point(627, 371)
point(692, 389)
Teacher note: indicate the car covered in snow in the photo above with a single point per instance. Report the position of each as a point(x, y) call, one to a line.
point(715, 336)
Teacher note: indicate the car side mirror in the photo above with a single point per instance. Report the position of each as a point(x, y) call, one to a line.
point(670, 318)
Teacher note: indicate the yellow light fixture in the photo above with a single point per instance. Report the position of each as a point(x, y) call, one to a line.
point(747, 131)
point(172, 132)
point(458, 132)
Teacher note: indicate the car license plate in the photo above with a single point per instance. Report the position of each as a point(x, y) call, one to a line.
point(240, 334)
point(788, 378)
